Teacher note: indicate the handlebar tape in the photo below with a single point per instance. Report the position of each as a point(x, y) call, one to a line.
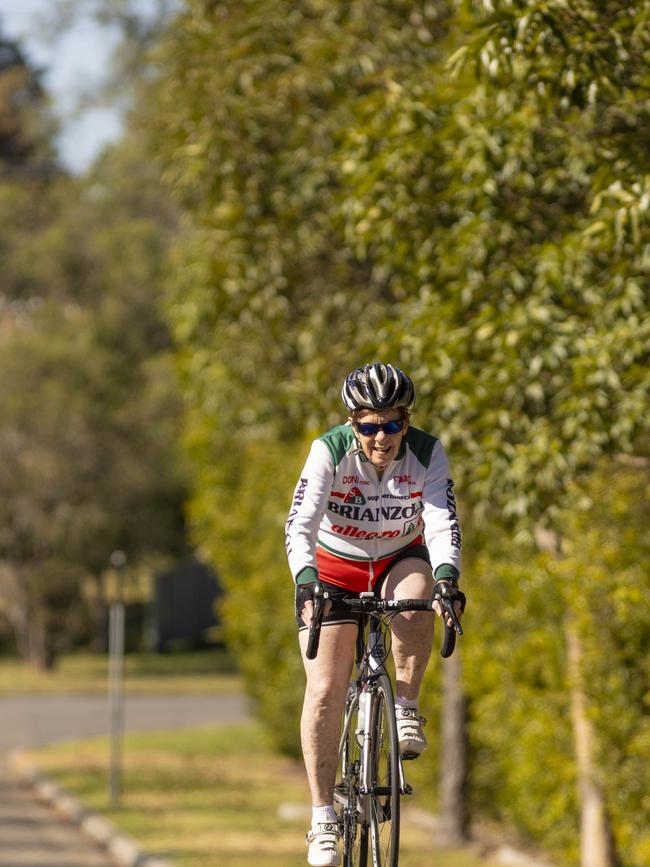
point(316, 622)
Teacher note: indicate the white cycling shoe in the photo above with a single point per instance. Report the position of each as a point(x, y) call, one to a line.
point(410, 733)
point(323, 841)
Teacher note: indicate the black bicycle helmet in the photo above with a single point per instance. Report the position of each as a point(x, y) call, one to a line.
point(377, 386)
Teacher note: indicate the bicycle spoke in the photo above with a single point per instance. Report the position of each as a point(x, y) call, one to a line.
point(385, 794)
point(346, 792)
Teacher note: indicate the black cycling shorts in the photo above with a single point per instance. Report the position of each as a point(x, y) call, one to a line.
point(340, 614)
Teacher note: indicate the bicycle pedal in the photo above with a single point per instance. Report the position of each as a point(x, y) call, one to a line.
point(408, 757)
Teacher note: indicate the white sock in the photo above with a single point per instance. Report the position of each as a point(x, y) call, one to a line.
point(406, 702)
point(321, 815)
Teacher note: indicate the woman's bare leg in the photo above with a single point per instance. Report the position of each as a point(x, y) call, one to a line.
point(328, 677)
point(413, 630)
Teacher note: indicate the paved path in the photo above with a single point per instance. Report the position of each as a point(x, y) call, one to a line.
point(31, 835)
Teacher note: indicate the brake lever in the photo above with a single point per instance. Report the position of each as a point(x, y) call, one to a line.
point(448, 608)
point(448, 613)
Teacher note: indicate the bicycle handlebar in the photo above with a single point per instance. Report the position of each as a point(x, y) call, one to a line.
point(372, 605)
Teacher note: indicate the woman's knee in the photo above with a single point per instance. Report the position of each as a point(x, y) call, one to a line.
point(331, 668)
point(409, 579)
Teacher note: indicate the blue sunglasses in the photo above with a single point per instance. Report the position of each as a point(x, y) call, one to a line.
point(369, 429)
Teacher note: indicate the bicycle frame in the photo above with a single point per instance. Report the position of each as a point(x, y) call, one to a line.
point(371, 776)
point(372, 771)
point(370, 667)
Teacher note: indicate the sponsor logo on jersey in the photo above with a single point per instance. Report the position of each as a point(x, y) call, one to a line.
point(374, 514)
point(356, 533)
point(453, 516)
point(298, 497)
point(355, 496)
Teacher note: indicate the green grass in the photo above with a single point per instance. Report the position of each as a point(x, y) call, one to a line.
point(206, 671)
point(211, 797)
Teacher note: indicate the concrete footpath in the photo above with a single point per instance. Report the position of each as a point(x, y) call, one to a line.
point(41, 826)
point(31, 835)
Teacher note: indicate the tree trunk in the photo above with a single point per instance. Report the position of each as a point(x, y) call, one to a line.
point(34, 641)
point(454, 814)
point(41, 653)
point(596, 843)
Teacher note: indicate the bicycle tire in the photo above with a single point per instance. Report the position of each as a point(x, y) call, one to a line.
point(346, 791)
point(384, 796)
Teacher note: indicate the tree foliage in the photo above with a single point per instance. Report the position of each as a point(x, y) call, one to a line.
point(604, 578)
point(252, 108)
point(88, 446)
point(25, 123)
point(522, 219)
point(80, 477)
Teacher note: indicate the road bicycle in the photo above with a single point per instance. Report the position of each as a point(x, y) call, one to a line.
point(370, 779)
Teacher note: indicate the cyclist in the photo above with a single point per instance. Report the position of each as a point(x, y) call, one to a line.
point(374, 509)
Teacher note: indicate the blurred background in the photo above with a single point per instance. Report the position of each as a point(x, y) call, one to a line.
point(210, 211)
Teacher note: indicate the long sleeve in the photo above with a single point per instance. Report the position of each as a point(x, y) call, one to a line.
point(307, 508)
point(441, 524)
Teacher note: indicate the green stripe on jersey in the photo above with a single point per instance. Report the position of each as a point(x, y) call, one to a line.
point(343, 554)
point(338, 440)
point(421, 444)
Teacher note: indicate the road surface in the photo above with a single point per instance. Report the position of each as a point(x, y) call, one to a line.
point(35, 720)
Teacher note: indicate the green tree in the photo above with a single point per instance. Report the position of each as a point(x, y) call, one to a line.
point(90, 406)
point(517, 674)
point(251, 109)
point(81, 451)
point(520, 242)
point(604, 575)
point(269, 303)
point(441, 188)
point(27, 167)
point(26, 125)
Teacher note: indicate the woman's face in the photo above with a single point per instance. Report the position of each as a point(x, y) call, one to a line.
point(379, 447)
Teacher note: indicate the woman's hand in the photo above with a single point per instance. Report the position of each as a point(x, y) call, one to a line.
point(445, 592)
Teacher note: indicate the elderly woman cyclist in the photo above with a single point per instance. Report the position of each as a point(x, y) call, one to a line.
point(373, 509)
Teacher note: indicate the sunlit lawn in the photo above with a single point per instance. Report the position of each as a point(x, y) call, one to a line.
point(211, 797)
point(206, 671)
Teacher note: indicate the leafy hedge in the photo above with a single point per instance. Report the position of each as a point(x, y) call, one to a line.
point(372, 180)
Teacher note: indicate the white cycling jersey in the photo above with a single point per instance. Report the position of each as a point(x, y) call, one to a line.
point(342, 506)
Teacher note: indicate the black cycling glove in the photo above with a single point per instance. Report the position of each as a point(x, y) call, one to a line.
point(446, 589)
point(305, 583)
point(304, 593)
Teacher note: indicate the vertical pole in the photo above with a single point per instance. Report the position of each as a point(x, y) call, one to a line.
point(116, 682)
point(116, 699)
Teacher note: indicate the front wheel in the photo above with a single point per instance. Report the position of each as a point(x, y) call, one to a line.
point(385, 785)
point(347, 794)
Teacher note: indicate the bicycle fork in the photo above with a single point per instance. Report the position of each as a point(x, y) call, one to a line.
point(369, 709)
